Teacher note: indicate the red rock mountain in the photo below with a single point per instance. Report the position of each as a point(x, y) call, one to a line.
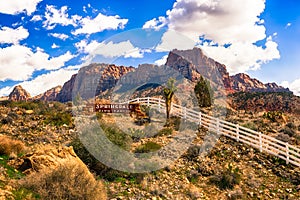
point(96, 79)
point(92, 80)
point(49, 95)
point(19, 94)
point(244, 83)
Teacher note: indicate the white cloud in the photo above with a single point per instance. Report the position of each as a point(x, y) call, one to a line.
point(110, 49)
point(293, 86)
point(222, 22)
point(288, 25)
point(155, 24)
point(174, 40)
point(13, 7)
point(13, 36)
point(36, 18)
point(241, 57)
point(99, 24)
point(5, 91)
point(47, 81)
point(161, 61)
point(19, 62)
point(61, 36)
point(43, 82)
point(54, 46)
point(54, 16)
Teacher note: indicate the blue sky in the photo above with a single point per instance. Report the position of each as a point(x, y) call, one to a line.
point(44, 42)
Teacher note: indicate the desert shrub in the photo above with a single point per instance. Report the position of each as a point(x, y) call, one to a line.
point(9, 146)
point(228, 178)
point(96, 166)
point(59, 119)
point(251, 126)
point(68, 181)
point(136, 134)
point(147, 147)
point(193, 152)
point(286, 130)
point(164, 132)
point(273, 115)
point(283, 137)
point(117, 136)
point(291, 125)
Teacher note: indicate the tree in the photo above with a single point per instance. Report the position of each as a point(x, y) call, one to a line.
point(204, 93)
point(168, 94)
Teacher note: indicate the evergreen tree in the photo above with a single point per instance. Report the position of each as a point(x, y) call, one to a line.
point(204, 93)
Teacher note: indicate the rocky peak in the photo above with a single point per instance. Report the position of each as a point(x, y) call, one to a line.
point(244, 83)
point(92, 80)
point(19, 94)
point(194, 63)
point(49, 95)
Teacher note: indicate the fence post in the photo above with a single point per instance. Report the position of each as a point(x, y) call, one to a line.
point(237, 133)
point(138, 100)
point(218, 125)
point(260, 142)
point(200, 118)
point(158, 105)
point(148, 103)
point(287, 152)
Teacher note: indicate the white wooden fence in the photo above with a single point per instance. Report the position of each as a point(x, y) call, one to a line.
point(283, 150)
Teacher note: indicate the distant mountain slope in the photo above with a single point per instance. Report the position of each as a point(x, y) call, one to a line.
point(19, 94)
point(49, 95)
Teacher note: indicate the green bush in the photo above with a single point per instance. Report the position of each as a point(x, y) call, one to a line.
point(228, 178)
point(273, 115)
point(193, 152)
point(147, 147)
point(164, 132)
point(59, 119)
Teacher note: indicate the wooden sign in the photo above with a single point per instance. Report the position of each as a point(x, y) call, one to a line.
point(116, 108)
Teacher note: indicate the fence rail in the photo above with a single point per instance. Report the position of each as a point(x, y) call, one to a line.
point(264, 143)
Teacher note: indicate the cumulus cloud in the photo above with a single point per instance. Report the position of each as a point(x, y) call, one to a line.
point(214, 25)
point(161, 61)
point(241, 57)
point(61, 36)
point(155, 24)
point(13, 36)
point(36, 18)
point(13, 7)
point(110, 49)
point(47, 81)
point(174, 40)
point(59, 16)
point(294, 86)
point(43, 82)
point(99, 24)
point(19, 62)
point(288, 25)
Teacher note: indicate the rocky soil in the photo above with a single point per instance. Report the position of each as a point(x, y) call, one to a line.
point(190, 177)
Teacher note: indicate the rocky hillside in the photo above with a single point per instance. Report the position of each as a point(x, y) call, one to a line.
point(244, 83)
point(49, 95)
point(189, 63)
point(19, 94)
point(193, 63)
point(262, 101)
point(94, 77)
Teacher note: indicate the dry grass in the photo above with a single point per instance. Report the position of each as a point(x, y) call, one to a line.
point(10, 146)
point(67, 181)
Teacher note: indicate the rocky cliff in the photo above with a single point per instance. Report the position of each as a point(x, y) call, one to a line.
point(244, 83)
point(194, 63)
point(92, 80)
point(19, 94)
point(49, 95)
